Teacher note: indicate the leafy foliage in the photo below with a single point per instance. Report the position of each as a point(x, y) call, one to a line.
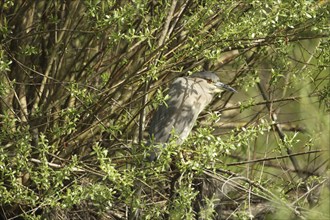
point(79, 81)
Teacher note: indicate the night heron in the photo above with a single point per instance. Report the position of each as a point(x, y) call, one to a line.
point(188, 98)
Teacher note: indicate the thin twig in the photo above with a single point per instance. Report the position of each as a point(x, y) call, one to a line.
point(273, 158)
point(55, 165)
point(278, 129)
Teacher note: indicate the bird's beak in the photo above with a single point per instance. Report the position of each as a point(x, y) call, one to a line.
point(222, 86)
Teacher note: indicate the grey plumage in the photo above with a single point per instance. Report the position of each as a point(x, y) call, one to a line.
point(188, 98)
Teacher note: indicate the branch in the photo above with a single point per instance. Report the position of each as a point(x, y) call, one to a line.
point(167, 23)
point(276, 199)
point(55, 165)
point(278, 129)
point(273, 158)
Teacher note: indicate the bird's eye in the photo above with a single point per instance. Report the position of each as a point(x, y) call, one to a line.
point(209, 81)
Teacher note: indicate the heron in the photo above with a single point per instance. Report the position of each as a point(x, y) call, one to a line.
point(188, 97)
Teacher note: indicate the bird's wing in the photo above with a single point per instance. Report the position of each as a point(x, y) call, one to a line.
point(178, 114)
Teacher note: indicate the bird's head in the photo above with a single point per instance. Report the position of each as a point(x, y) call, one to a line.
point(213, 81)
